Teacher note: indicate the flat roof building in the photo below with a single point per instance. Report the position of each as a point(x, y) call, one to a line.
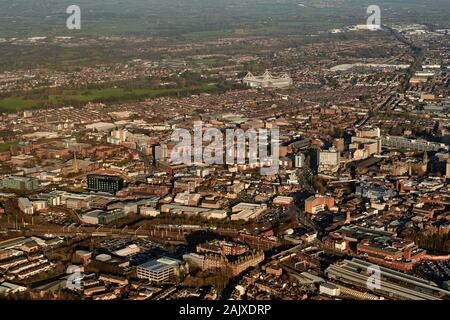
point(104, 183)
point(247, 211)
point(25, 206)
point(20, 183)
point(158, 270)
point(412, 144)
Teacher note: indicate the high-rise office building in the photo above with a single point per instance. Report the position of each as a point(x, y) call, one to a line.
point(104, 183)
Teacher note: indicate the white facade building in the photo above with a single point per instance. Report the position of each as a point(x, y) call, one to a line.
point(329, 160)
point(158, 270)
point(267, 81)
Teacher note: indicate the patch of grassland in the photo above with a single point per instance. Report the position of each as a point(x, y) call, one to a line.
point(77, 97)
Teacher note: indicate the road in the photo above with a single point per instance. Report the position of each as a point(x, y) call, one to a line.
point(416, 53)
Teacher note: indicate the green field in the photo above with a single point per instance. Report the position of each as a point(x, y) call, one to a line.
point(164, 22)
point(79, 97)
point(16, 104)
point(202, 18)
point(5, 146)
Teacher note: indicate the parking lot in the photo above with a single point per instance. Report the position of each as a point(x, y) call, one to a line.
point(57, 217)
point(148, 249)
point(437, 271)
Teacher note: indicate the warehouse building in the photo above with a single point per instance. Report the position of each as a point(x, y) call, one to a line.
point(98, 216)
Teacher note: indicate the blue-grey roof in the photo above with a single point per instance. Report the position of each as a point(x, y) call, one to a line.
point(160, 264)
